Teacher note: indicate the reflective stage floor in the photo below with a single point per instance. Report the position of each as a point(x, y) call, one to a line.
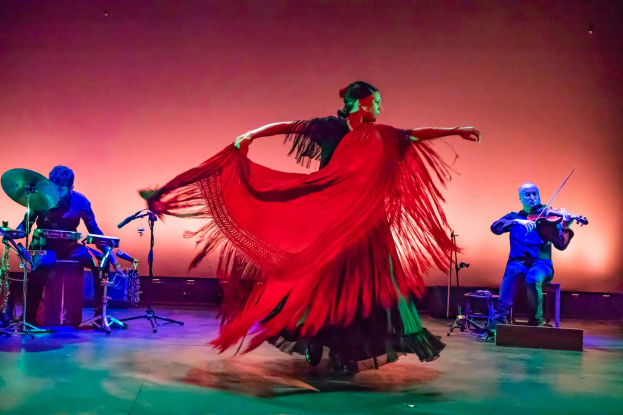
point(135, 371)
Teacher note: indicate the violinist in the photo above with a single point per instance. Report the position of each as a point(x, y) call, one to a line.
point(530, 255)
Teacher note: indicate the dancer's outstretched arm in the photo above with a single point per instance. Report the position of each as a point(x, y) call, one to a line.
point(467, 133)
point(265, 131)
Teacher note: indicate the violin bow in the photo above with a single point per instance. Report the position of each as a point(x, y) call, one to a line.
point(552, 199)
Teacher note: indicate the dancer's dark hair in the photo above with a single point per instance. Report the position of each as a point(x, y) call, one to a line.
point(353, 92)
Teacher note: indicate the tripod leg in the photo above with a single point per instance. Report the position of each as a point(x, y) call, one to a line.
point(454, 325)
point(153, 324)
point(134, 318)
point(95, 321)
point(113, 321)
point(169, 320)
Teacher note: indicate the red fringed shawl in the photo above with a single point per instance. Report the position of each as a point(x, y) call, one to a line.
point(329, 241)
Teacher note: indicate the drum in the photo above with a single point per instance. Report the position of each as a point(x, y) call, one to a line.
point(41, 236)
point(63, 294)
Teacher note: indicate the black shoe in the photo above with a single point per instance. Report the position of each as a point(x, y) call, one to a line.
point(347, 369)
point(341, 368)
point(313, 353)
point(487, 337)
point(536, 323)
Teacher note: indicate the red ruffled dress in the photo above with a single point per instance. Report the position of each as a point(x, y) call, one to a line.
point(331, 258)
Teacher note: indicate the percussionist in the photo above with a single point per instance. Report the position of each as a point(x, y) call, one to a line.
point(66, 215)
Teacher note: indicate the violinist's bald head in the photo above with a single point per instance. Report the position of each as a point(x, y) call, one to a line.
point(529, 196)
point(527, 185)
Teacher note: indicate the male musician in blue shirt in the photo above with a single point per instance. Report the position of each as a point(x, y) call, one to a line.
point(530, 258)
point(72, 207)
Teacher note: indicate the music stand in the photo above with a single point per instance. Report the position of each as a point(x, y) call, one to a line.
point(151, 315)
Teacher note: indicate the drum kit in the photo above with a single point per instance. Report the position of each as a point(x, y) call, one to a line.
point(35, 192)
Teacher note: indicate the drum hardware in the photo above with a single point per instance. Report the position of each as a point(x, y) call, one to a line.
point(4, 278)
point(150, 314)
point(11, 233)
point(40, 236)
point(134, 282)
point(34, 191)
point(105, 321)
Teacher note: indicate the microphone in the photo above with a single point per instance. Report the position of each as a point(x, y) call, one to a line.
point(129, 219)
point(24, 254)
point(122, 255)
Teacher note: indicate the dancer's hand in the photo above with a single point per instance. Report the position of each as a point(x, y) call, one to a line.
point(469, 133)
point(246, 137)
point(527, 225)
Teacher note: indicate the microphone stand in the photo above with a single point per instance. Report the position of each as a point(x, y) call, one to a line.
point(151, 315)
point(461, 321)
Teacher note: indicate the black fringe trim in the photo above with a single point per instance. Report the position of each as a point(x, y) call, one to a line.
point(304, 138)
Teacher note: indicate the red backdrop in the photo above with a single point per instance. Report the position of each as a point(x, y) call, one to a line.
point(130, 94)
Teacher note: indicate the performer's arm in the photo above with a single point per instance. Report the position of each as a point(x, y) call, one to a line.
point(563, 240)
point(265, 131)
point(504, 224)
point(88, 217)
point(33, 218)
point(565, 233)
point(425, 134)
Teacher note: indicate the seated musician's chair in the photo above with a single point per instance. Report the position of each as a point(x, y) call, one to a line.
point(551, 292)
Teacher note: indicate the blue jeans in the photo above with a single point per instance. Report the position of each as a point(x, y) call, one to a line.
point(539, 273)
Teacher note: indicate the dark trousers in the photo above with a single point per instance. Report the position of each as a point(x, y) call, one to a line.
point(44, 272)
point(537, 274)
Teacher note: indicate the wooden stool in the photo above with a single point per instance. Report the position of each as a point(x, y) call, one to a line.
point(553, 289)
point(548, 289)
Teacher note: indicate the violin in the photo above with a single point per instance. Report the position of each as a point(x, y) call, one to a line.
point(554, 216)
point(548, 221)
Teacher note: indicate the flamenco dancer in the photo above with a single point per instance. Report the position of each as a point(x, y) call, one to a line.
point(331, 259)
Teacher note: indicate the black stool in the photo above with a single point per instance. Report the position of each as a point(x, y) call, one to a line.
point(482, 296)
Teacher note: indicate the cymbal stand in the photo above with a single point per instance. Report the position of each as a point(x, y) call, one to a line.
point(461, 321)
point(151, 315)
point(104, 321)
point(4, 271)
point(23, 327)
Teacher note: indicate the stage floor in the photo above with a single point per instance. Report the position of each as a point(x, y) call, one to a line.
point(135, 371)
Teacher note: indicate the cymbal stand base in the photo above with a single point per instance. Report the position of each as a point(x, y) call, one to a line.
point(104, 321)
point(28, 329)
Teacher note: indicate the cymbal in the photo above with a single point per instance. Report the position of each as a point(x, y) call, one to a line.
point(13, 233)
point(17, 183)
